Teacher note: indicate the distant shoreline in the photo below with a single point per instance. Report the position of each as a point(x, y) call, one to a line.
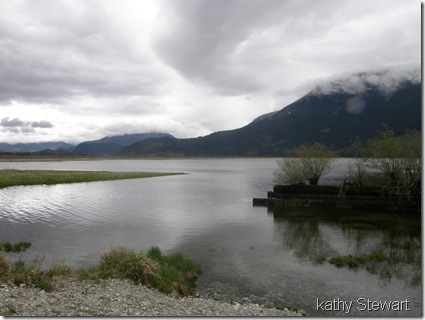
point(32, 158)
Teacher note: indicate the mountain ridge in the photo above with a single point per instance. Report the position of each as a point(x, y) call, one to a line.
point(334, 113)
point(112, 145)
point(335, 119)
point(35, 146)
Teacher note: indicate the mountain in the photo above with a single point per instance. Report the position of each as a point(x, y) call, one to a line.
point(265, 116)
point(113, 145)
point(34, 147)
point(334, 114)
point(127, 139)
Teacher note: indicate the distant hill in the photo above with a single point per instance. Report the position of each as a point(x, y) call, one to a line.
point(113, 145)
point(34, 147)
point(333, 114)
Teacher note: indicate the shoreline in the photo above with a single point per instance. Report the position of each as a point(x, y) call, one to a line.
point(31, 158)
point(115, 297)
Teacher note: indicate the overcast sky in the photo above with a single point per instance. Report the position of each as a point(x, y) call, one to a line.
point(81, 70)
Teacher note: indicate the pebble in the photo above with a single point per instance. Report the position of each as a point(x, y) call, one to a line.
point(114, 297)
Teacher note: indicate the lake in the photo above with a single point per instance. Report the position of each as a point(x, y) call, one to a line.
point(247, 253)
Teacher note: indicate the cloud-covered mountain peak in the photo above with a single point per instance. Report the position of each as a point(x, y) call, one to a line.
point(386, 81)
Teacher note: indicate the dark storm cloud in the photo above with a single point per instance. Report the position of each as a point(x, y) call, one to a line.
point(200, 39)
point(41, 124)
point(5, 122)
point(54, 50)
point(239, 46)
point(18, 125)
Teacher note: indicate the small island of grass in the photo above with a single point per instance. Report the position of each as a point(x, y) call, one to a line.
point(9, 178)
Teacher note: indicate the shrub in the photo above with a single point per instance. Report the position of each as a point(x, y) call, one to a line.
point(357, 172)
point(311, 163)
point(399, 162)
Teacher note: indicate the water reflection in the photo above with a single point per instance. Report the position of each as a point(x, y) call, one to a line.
point(318, 235)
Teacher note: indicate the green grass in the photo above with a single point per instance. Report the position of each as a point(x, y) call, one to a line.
point(171, 274)
point(354, 262)
point(44, 285)
point(10, 178)
point(17, 247)
point(320, 259)
point(10, 310)
point(177, 274)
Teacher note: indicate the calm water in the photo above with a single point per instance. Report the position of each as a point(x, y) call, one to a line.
point(245, 251)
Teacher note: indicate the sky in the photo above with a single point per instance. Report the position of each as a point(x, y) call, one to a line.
point(80, 70)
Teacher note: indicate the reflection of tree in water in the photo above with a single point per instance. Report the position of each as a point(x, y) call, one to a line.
point(311, 235)
point(404, 253)
point(304, 238)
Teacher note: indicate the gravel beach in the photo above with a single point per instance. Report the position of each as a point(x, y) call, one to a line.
point(113, 297)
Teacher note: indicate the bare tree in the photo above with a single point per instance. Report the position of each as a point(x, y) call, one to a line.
point(311, 162)
point(398, 160)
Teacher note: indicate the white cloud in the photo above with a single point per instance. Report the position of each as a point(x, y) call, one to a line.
point(387, 81)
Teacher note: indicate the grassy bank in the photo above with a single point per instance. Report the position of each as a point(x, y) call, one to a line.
point(171, 274)
point(46, 158)
point(10, 178)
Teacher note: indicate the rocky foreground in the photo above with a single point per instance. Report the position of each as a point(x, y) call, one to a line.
point(112, 297)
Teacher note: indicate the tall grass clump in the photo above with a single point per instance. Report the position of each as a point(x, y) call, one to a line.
point(177, 274)
point(23, 273)
point(128, 264)
point(173, 274)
